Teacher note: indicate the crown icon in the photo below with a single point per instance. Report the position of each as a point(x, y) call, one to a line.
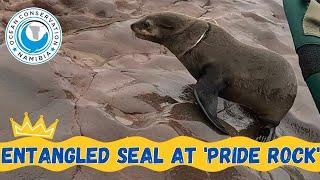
point(38, 130)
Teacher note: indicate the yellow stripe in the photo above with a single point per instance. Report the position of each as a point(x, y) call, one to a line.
point(166, 151)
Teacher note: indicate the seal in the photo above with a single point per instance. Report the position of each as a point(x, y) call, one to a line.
point(253, 77)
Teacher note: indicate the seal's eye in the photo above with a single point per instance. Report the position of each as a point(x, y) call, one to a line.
point(146, 24)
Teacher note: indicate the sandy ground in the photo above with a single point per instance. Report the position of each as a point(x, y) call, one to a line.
point(106, 84)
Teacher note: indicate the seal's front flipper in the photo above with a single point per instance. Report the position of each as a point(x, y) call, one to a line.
point(207, 99)
point(209, 109)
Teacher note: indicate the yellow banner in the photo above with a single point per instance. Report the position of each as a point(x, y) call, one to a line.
point(159, 156)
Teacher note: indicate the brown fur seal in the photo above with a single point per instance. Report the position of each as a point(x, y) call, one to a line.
point(256, 78)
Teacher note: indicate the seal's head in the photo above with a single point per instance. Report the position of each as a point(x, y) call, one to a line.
point(159, 26)
point(177, 32)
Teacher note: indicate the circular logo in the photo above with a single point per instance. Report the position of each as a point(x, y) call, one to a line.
point(33, 36)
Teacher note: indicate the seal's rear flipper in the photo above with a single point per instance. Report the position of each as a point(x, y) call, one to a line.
point(208, 104)
point(266, 134)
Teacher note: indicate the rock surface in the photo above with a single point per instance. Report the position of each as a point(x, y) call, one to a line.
point(107, 84)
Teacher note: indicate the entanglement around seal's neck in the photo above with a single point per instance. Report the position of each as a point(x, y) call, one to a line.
point(181, 43)
point(198, 41)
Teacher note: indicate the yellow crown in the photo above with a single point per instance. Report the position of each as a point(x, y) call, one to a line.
point(39, 129)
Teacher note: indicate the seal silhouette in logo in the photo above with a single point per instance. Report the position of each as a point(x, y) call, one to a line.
point(33, 36)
